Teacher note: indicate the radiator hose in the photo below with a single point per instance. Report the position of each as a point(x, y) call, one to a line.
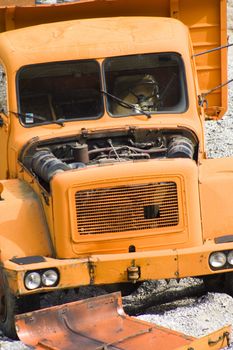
point(180, 147)
point(46, 165)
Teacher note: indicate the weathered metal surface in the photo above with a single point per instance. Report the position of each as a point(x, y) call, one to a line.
point(99, 324)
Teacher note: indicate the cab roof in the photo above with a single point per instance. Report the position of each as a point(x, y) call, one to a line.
point(93, 38)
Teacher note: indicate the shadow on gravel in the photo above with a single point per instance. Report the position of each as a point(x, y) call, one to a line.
point(159, 296)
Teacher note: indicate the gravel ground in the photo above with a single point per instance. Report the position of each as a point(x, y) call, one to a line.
point(194, 316)
point(185, 306)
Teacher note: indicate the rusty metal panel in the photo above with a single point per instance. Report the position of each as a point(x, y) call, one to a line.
point(217, 340)
point(94, 324)
point(101, 324)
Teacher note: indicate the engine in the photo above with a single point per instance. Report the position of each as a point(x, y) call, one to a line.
point(45, 159)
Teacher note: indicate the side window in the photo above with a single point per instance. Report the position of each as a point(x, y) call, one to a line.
point(3, 90)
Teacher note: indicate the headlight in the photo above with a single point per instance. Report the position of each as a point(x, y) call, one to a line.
point(218, 259)
point(32, 280)
point(49, 278)
point(230, 257)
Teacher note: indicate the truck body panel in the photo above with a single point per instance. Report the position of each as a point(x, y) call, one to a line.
point(23, 214)
point(164, 264)
point(215, 187)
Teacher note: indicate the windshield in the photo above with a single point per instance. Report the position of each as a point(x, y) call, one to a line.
point(56, 92)
point(60, 91)
point(153, 83)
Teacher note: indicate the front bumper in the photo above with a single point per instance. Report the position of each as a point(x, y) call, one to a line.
point(114, 268)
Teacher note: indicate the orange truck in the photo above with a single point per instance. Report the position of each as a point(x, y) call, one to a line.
point(104, 175)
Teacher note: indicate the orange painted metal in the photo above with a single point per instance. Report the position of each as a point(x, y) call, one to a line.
point(18, 206)
point(216, 203)
point(206, 32)
point(18, 3)
point(161, 252)
point(101, 324)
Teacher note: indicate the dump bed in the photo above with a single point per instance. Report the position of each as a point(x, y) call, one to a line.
point(206, 20)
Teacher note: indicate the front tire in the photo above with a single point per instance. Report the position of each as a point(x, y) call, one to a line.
point(10, 305)
point(9, 308)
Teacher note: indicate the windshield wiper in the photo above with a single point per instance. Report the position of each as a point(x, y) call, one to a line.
point(126, 104)
point(38, 117)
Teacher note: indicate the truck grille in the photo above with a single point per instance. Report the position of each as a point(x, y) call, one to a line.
point(127, 208)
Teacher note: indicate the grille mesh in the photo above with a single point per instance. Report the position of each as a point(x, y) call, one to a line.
point(127, 208)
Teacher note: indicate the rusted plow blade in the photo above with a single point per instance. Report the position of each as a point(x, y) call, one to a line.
point(101, 324)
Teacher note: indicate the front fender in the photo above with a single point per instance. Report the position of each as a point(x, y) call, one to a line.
point(216, 197)
point(23, 228)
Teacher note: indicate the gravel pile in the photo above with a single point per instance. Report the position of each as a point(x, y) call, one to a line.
point(196, 317)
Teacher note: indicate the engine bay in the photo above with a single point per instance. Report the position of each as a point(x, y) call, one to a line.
point(44, 159)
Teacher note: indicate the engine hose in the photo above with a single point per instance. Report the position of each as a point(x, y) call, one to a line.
point(180, 147)
point(45, 165)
